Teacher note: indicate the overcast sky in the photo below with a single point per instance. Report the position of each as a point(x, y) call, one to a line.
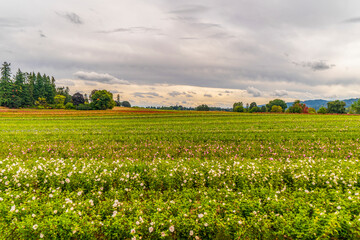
point(164, 52)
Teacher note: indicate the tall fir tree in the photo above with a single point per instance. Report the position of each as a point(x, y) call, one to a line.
point(6, 85)
point(26, 93)
point(39, 87)
point(31, 87)
point(19, 86)
point(49, 93)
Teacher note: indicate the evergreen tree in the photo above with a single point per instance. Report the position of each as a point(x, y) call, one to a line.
point(31, 88)
point(39, 87)
point(49, 91)
point(118, 103)
point(6, 86)
point(26, 88)
point(53, 87)
point(19, 89)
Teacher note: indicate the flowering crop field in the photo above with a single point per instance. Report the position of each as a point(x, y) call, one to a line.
point(141, 174)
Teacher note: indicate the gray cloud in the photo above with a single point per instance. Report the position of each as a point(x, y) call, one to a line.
point(316, 66)
point(146, 94)
point(175, 93)
point(237, 45)
point(280, 93)
point(254, 91)
point(99, 77)
point(131, 30)
point(208, 95)
point(42, 35)
point(352, 20)
point(9, 22)
point(190, 9)
point(72, 17)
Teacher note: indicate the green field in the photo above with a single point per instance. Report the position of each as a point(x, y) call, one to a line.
point(178, 175)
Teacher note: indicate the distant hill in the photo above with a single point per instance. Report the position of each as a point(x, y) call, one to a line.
point(323, 103)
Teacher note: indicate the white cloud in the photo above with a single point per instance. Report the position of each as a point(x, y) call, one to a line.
point(281, 93)
point(99, 77)
point(253, 91)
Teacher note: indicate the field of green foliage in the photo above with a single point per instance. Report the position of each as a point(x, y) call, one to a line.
point(178, 175)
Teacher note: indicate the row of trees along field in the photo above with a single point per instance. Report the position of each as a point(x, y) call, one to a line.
point(278, 105)
point(25, 90)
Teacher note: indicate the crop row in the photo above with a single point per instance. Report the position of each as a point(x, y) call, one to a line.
point(88, 199)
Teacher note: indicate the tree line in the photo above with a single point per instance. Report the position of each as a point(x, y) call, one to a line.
point(29, 90)
point(279, 105)
point(25, 89)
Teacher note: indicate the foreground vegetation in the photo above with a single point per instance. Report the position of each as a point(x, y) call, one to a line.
point(136, 173)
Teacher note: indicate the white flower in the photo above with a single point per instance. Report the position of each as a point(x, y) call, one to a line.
point(41, 235)
point(55, 211)
point(240, 222)
point(35, 226)
point(191, 232)
point(151, 229)
point(201, 215)
point(12, 208)
point(205, 224)
point(339, 207)
point(91, 202)
point(67, 180)
point(114, 214)
point(116, 203)
point(33, 215)
point(132, 231)
point(163, 234)
point(171, 228)
point(50, 195)
point(79, 193)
